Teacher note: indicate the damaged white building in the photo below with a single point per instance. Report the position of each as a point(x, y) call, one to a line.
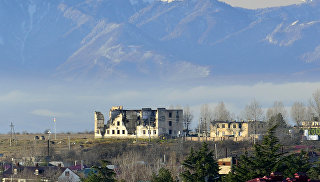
point(139, 123)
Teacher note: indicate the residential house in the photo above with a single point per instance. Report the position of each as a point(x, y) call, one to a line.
point(68, 176)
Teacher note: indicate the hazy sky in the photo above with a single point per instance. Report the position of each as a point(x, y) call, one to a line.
point(254, 4)
point(31, 105)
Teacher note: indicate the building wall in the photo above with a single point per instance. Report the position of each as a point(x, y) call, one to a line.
point(237, 131)
point(140, 123)
point(98, 124)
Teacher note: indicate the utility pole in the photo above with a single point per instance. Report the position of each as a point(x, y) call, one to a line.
point(69, 143)
point(200, 121)
point(55, 128)
point(254, 137)
point(216, 150)
point(149, 131)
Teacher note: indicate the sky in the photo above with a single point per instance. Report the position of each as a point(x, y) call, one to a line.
point(32, 105)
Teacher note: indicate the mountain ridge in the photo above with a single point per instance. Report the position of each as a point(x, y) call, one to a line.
point(171, 41)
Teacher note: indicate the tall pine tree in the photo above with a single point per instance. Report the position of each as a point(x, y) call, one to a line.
point(200, 166)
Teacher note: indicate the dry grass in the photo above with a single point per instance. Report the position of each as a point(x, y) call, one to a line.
point(25, 145)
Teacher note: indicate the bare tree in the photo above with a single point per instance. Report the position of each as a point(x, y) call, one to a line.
point(205, 118)
point(277, 108)
point(298, 112)
point(221, 113)
point(315, 102)
point(253, 111)
point(309, 113)
point(187, 119)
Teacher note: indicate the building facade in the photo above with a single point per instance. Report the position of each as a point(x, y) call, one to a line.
point(142, 123)
point(237, 131)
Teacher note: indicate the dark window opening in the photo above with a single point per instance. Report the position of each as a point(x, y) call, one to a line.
point(170, 132)
point(113, 132)
point(123, 131)
point(118, 123)
point(170, 123)
point(170, 114)
point(118, 132)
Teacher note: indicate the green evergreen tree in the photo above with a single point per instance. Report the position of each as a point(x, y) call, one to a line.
point(200, 166)
point(294, 163)
point(277, 120)
point(314, 171)
point(163, 176)
point(267, 158)
point(103, 174)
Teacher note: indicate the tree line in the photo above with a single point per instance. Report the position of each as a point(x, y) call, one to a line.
point(253, 111)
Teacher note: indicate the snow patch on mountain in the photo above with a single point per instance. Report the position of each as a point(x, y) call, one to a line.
point(75, 15)
point(1, 41)
point(313, 56)
point(286, 35)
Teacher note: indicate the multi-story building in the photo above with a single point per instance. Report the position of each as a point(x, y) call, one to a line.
point(141, 123)
point(238, 131)
point(311, 129)
point(310, 124)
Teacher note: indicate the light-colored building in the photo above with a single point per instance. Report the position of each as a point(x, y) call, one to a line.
point(139, 123)
point(225, 165)
point(311, 129)
point(310, 124)
point(237, 131)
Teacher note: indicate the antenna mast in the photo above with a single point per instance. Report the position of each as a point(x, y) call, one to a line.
point(12, 134)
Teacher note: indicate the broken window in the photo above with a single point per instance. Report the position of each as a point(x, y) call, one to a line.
point(234, 126)
point(67, 173)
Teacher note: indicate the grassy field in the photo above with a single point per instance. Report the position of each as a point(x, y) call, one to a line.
point(25, 144)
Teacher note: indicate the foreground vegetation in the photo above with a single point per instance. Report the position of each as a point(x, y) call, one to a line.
point(201, 165)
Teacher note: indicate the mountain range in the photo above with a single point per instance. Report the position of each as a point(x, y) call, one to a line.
point(178, 40)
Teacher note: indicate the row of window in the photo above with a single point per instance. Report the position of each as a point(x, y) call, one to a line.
point(258, 126)
point(124, 132)
point(118, 123)
point(224, 126)
point(149, 132)
point(114, 132)
point(234, 133)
